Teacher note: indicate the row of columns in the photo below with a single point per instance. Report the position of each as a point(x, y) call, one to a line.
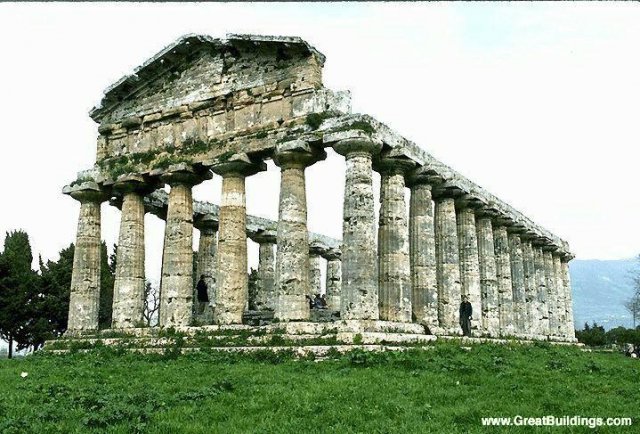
point(419, 269)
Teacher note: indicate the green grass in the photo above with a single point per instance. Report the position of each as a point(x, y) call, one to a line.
point(445, 389)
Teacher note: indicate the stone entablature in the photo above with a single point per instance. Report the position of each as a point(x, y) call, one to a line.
point(205, 106)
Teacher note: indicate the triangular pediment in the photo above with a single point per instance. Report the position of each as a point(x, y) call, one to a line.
point(198, 68)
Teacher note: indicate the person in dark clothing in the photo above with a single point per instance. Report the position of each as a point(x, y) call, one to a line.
point(317, 302)
point(202, 294)
point(465, 316)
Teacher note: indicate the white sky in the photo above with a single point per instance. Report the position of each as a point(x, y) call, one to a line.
point(538, 103)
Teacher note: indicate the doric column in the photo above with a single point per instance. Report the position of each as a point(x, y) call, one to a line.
point(447, 265)
point(359, 253)
point(333, 279)
point(566, 283)
point(531, 289)
point(129, 284)
point(176, 287)
point(231, 258)
point(560, 296)
point(516, 256)
point(422, 253)
point(469, 261)
point(315, 270)
point(394, 278)
point(266, 291)
point(207, 248)
point(292, 258)
point(503, 274)
point(488, 279)
point(543, 311)
point(552, 293)
point(85, 277)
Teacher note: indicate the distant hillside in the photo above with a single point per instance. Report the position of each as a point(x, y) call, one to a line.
point(599, 290)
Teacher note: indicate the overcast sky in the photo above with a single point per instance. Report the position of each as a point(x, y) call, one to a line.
point(537, 102)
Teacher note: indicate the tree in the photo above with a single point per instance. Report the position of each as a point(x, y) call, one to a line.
point(107, 279)
point(55, 285)
point(18, 290)
point(151, 304)
point(633, 303)
point(633, 306)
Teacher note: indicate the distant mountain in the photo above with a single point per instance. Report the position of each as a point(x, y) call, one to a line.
point(599, 290)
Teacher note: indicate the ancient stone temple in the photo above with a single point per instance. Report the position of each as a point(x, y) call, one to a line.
point(206, 107)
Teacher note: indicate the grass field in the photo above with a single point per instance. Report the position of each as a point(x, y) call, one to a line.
point(444, 389)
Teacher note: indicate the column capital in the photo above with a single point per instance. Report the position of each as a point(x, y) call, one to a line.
point(317, 249)
point(332, 254)
point(268, 236)
point(131, 183)
point(238, 164)
point(206, 223)
point(471, 202)
point(184, 174)
point(297, 153)
point(355, 145)
point(86, 191)
point(393, 165)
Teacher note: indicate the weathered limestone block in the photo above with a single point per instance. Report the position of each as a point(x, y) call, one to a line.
point(129, 284)
point(566, 283)
point(447, 265)
point(333, 279)
point(85, 277)
point(176, 286)
point(231, 258)
point(470, 263)
point(503, 274)
point(560, 296)
point(359, 259)
point(394, 284)
point(543, 311)
point(422, 253)
point(488, 278)
point(292, 259)
point(315, 273)
point(552, 293)
point(266, 291)
point(518, 282)
point(531, 290)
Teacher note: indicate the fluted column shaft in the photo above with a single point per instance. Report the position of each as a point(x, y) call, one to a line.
point(518, 284)
point(231, 257)
point(176, 288)
point(422, 253)
point(129, 284)
point(566, 283)
point(543, 311)
point(315, 274)
point(552, 293)
point(560, 296)
point(393, 249)
point(447, 265)
point(470, 263)
point(359, 252)
point(531, 290)
point(292, 259)
point(85, 277)
point(503, 274)
point(488, 278)
point(334, 283)
point(266, 293)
